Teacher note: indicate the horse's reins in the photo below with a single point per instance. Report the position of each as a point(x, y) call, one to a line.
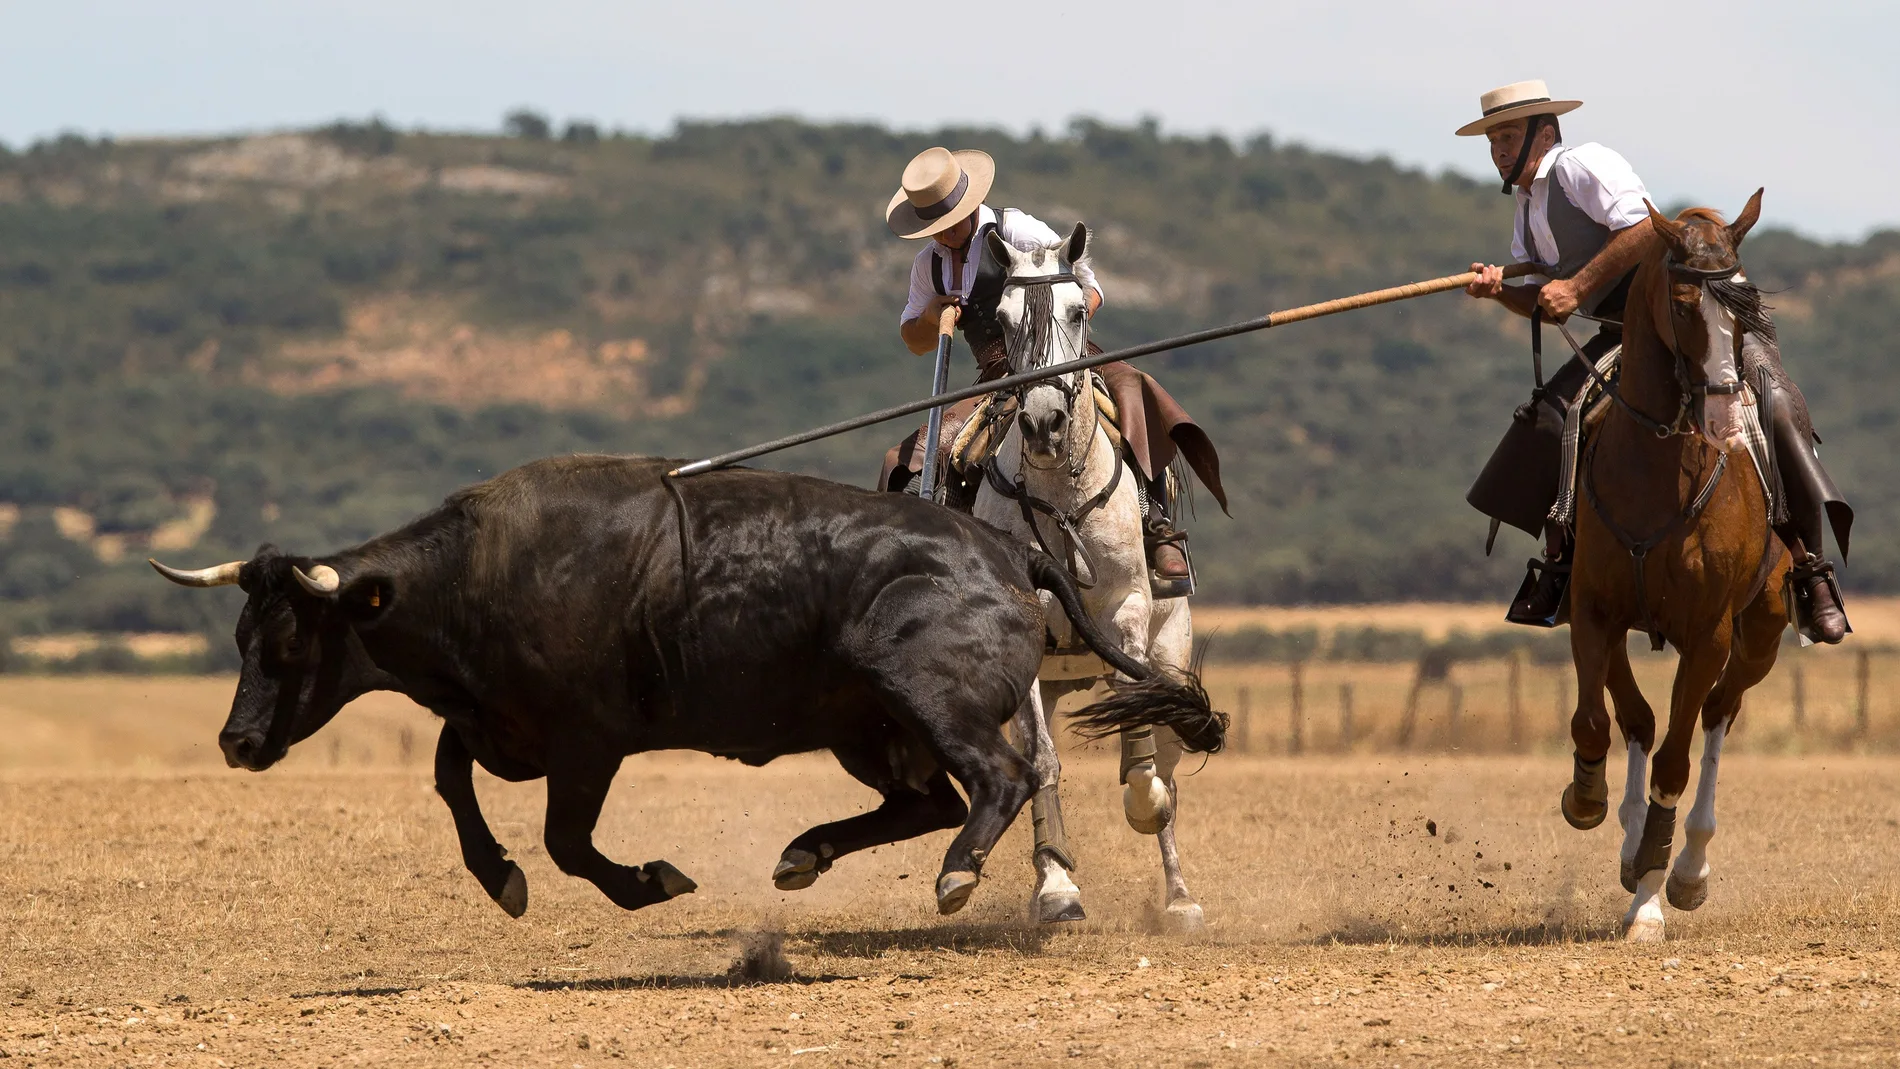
point(1685, 423)
point(1068, 521)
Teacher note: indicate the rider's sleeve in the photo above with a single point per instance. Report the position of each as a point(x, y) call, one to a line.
point(1028, 233)
point(921, 291)
point(1602, 183)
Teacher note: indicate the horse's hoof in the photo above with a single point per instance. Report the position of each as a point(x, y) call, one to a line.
point(1684, 895)
point(1583, 814)
point(1643, 931)
point(953, 890)
point(1147, 803)
point(1183, 917)
point(1059, 908)
point(797, 870)
point(513, 897)
point(674, 882)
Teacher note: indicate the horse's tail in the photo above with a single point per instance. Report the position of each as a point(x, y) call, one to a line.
point(1174, 699)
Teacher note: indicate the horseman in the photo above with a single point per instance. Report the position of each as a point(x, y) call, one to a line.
point(941, 198)
point(1582, 215)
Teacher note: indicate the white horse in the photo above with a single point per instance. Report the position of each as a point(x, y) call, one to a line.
point(1058, 480)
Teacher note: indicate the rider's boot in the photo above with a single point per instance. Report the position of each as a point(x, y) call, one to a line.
point(1542, 599)
point(1819, 614)
point(1817, 600)
point(1170, 573)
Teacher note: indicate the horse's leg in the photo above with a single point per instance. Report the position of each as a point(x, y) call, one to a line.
point(1173, 650)
point(1644, 919)
point(1056, 898)
point(1146, 800)
point(1756, 644)
point(1586, 801)
point(1700, 666)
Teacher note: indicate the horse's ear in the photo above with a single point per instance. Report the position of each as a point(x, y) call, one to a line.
point(1000, 250)
point(1751, 214)
point(1667, 229)
point(1078, 243)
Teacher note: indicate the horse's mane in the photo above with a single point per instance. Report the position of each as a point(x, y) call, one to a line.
point(1741, 298)
point(1032, 336)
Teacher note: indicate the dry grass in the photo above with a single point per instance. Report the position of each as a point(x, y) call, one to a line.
point(317, 915)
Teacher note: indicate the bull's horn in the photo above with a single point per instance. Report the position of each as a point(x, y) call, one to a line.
point(322, 580)
point(221, 575)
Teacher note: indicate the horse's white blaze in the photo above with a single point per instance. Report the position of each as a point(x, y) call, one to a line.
point(1634, 808)
point(1692, 865)
point(1721, 413)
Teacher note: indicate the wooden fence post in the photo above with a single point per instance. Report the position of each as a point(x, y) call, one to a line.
point(1862, 714)
point(1243, 711)
point(1515, 700)
point(1345, 718)
point(1454, 712)
point(1800, 696)
point(1296, 712)
point(405, 745)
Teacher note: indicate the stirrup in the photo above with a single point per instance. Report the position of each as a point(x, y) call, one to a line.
point(1158, 585)
point(1801, 598)
point(1539, 574)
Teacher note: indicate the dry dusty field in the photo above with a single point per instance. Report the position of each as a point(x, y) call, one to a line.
point(158, 909)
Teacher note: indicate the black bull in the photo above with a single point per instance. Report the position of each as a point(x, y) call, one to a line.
point(576, 610)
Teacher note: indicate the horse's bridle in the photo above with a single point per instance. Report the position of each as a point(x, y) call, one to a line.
point(1068, 521)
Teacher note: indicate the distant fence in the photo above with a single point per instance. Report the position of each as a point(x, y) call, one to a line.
point(1459, 698)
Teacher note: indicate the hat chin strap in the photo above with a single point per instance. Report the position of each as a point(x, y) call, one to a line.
point(1531, 130)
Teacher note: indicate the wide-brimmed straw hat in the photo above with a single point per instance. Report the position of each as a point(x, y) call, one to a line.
point(1516, 101)
point(941, 188)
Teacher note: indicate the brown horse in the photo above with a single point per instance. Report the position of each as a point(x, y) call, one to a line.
point(1675, 542)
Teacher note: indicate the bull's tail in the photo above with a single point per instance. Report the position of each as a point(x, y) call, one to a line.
point(1174, 699)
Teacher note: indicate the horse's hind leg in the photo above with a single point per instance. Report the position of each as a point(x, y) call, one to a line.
point(1756, 644)
point(1181, 913)
point(918, 799)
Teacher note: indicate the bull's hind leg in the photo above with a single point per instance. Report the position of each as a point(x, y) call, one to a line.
point(907, 812)
point(998, 780)
point(454, 781)
point(578, 780)
point(1756, 643)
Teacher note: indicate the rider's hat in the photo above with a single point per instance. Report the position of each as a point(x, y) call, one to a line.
point(1516, 101)
point(941, 188)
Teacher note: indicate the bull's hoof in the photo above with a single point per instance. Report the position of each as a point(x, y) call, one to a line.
point(1685, 895)
point(1583, 813)
point(953, 890)
point(1183, 917)
point(1060, 907)
point(797, 870)
point(1146, 801)
point(674, 882)
point(513, 896)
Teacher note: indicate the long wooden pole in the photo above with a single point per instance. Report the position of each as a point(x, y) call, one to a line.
point(933, 427)
point(1067, 367)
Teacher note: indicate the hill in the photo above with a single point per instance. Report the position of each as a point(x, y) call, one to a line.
point(308, 337)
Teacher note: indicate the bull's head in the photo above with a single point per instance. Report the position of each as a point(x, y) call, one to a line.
point(303, 659)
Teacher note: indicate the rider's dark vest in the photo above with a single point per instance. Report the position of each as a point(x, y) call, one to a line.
point(978, 322)
point(1579, 239)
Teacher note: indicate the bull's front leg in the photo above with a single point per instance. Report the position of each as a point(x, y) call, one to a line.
point(577, 787)
point(455, 782)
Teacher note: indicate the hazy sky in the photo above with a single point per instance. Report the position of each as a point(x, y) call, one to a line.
point(1709, 100)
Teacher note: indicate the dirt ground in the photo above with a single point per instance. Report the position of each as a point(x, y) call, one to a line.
point(158, 909)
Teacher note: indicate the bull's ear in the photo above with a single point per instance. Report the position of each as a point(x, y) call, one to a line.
point(1751, 213)
point(365, 600)
point(1078, 243)
point(1000, 250)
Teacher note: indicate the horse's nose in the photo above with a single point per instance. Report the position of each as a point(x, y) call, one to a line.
point(1046, 430)
point(240, 748)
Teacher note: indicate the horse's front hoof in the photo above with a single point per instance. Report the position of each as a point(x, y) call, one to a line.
point(1643, 930)
point(1060, 907)
point(513, 896)
point(796, 870)
point(1182, 917)
point(954, 890)
point(1583, 814)
point(1684, 895)
point(674, 882)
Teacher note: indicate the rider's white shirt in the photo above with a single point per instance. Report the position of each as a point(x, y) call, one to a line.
point(1597, 180)
point(1019, 228)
